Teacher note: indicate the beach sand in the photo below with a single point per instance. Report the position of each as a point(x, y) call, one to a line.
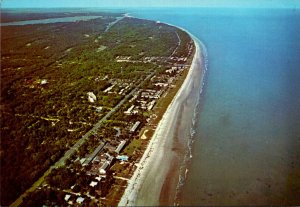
point(156, 177)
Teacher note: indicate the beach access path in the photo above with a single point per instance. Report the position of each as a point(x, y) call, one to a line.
point(145, 186)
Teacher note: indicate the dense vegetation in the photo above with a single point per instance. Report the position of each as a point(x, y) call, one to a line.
point(46, 72)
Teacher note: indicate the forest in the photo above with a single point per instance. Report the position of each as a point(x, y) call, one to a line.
point(47, 71)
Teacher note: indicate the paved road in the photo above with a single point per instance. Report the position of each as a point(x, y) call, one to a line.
point(178, 44)
point(80, 142)
point(113, 23)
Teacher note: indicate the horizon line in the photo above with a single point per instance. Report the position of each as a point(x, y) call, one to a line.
point(154, 7)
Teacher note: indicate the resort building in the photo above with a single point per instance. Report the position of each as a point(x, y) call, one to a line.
point(120, 147)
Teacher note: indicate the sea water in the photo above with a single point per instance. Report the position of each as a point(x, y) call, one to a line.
point(246, 145)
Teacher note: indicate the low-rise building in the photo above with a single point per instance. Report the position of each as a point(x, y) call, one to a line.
point(120, 147)
point(67, 197)
point(93, 184)
point(80, 200)
point(106, 164)
point(103, 168)
point(135, 126)
point(129, 111)
point(151, 105)
point(91, 97)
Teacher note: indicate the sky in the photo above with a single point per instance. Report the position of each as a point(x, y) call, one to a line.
point(149, 3)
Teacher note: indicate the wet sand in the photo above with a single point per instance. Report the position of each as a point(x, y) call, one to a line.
point(155, 180)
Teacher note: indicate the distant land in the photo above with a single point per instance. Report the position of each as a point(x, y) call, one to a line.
point(80, 101)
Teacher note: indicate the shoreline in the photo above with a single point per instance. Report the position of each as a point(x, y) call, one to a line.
point(154, 182)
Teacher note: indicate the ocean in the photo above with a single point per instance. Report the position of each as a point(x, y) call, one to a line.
point(246, 135)
point(246, 139)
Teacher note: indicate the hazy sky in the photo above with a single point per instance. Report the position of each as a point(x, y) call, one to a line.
point(148, 3)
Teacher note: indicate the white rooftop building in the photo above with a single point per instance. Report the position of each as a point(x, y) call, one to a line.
point(91, 97)
point(67, 197)
point(103, 168)
point(93, 184)
point(44, 81)
point(79, 200)
point(120, 147)
point(135, 126)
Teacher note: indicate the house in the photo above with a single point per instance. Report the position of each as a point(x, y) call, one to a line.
point(120, 147)
point(80, 200)
point(98, 178)
point(173, 69)
point(44, 81)
point(135, 126)
point(67, 197)
point(99, 109)
point(93, 184)
point(91, 97)
point(82, 160)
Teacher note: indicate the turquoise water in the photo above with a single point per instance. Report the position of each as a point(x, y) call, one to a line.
point(246, 146)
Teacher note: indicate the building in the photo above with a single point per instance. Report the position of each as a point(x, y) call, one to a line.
point(128, 112)
point(135, 126)
point(99, 109)
point(91, 97)
point(161, 84)
point(120, 147)
point(151, 105)
point(91, 157)
point(103, 168)
point(67, 197)
point(80, 200)
point(109, 88)
point(93, 184)
point(106, 164)
point(44, 81)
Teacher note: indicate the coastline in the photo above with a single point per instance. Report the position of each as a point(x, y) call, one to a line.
point(155, 180)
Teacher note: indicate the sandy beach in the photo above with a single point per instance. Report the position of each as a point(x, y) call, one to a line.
point(156, 177)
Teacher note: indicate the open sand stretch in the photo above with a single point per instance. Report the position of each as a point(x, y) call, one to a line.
point(155, 179)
